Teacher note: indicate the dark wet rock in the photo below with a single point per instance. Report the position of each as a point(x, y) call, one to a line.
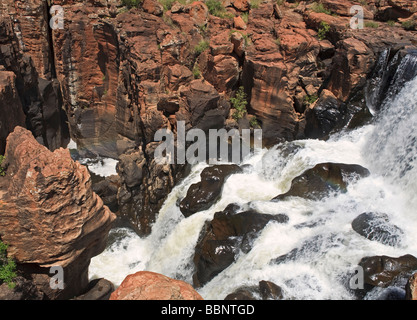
point(324, 179)
point(223, 238)
point(270, 291)
point(265, 290)
point(390, 293)
point(107, 190)
point(326, 114)
point(311, 249)
point(382, 271)
point(202, 195)
point(377, 227)
point(98, 289)
point(243, 293)
point(23, 289)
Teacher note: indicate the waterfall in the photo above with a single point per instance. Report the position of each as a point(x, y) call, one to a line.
point(320, 231)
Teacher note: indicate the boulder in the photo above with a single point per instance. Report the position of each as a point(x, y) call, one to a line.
point(23, 289)
point(323, 116)
point(270, 291)
point(265, 290)
point(243, 293)
point(50, 215)
point(145, 285)
point(323, 180)
point(98, 289)
point(229, 232)
point(383, 270)
point(376, 227)
point(202, 195)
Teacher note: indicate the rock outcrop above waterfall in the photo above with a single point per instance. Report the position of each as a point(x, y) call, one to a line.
point(324, 179)
point(26, 99)
point(202, 195)
point(231, 231)
point(145, 285)
point(49, 215)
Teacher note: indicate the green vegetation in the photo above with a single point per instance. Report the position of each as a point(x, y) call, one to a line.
point(2, 170)
point(7, 267)
point(310, 99)
point(280, 2)
point(239, 103)
point(253, 122)
point(320, 8)
point(244, 35)
point(217, 9)
point(391, 23)
point(201, 46)
point(323, 30)
point(278, 41)
point(254, 4)
point(245, 17)
point(196, 71)
point(131, 3)
point(409, 25)
point(371, 24)
point(167, 4)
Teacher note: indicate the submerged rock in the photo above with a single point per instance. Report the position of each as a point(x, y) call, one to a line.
point(324, 179)
point(376, 227)
point(202, 195)
point(230, 232)
point(265, 290)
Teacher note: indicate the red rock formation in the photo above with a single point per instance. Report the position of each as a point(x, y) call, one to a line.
point(40, 99)
point(49, 215)
point(32, 29)
point(145, 285)
point(11, 107)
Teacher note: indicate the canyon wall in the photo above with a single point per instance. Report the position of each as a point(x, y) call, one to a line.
point(121, 74)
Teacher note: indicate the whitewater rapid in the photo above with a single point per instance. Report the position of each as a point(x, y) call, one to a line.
point(387, 147)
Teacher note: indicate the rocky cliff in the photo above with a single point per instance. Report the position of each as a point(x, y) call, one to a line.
point(114, 75)
point(50, 217)
point(126, 72)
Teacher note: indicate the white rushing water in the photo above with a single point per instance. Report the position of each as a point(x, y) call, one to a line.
point(388, 148)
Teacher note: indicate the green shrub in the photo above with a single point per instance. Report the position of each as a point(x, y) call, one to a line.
point(201, 46)
point(320, 8)
point(239, 103)
point(409, 25)
point(7, 267)
point(391, 23)
point(254, 4)
point(254, 122)
point(371, 24)
point(310, 99)
point(245, 17)
point(131, 3)
point(196, 71)
point(323, 30)
point(2, 170)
